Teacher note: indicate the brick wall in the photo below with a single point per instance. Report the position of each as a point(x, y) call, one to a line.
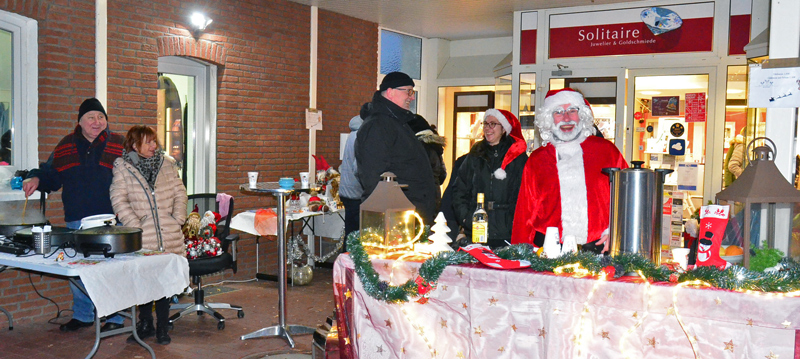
point(262, 53)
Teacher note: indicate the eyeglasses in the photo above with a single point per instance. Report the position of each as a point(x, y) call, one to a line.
point(570, 111)
point(491, 125)
point(410, 92)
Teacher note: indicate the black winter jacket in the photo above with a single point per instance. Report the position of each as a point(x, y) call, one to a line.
point(500, 196)
point(385, 142)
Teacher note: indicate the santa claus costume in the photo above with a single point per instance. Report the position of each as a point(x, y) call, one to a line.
point(563, 184)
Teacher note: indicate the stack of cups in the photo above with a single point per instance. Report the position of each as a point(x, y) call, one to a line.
point(41, 239)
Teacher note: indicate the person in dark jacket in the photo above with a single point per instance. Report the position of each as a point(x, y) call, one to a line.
point(82, 164)
point(493, 167)
point(434, 146)
point(386, 142)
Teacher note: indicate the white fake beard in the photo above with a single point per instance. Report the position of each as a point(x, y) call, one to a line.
point(567, 136)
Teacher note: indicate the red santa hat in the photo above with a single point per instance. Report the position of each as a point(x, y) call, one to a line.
point(322, 165)
point(555, 99)
point(513, 128)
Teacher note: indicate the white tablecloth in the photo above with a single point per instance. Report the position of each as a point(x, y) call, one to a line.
point(329, 225)
point(116, 283)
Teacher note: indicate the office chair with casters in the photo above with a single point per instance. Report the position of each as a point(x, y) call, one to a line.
point(209, 265)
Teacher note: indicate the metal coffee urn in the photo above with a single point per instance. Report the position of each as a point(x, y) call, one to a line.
point(635, 210)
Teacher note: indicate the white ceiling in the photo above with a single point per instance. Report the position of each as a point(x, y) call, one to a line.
point(446, 19)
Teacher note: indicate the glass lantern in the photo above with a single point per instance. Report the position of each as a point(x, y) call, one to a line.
point(762, 191)
point(388, 219)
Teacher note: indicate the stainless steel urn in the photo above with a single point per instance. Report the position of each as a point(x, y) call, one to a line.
point(635, 210)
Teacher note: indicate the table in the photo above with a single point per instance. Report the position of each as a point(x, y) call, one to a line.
point(281, 330)
point(478, 312)
point(113, 284)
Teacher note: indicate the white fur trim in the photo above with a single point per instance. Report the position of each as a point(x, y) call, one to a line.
point(564, 97)
point(499, 116)
point(572, 183)
point(500, 174)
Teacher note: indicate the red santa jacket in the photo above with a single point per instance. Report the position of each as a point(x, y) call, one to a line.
point(539, 202)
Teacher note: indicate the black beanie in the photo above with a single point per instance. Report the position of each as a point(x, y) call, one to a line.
point(91, 104)
point(395, 80)
point(419, 124)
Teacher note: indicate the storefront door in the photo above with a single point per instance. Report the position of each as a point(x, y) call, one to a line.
point(671, 111)
point(605, 91)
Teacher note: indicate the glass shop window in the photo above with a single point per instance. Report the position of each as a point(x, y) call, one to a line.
point(527, 108)
point(400, 52)
point(742, 124)
point(18, 84)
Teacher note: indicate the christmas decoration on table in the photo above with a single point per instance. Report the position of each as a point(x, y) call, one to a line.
point(439, 240)
point(199, 235)
point(488, 258)
point(713, 219)
point(317, 204)
point(327, 180)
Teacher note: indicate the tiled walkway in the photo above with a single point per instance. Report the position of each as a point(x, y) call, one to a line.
point(194, 337)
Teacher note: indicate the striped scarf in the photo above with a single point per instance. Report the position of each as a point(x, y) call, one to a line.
point(66, 154)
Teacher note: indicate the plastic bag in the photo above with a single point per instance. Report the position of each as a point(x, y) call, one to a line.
point(266, 222)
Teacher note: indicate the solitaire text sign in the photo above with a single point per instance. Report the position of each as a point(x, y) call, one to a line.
point(641, 30)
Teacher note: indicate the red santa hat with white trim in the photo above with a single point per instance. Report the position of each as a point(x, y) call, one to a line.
point(553, 100)
point(513, 128)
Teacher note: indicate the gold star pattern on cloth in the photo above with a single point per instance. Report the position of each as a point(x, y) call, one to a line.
point(348, 294)
point(367, 317)
point(444, 287)
point(610, 294)
point(717, 301)
point(388, 323)
point(556, 311)
point(493, 301)
point(750, 322)
point(771, 355)
point(604, 335)
point(786, 324)
point(443, 323)
point(380, 349)
point(502, 349)
point(460, 273)
point(635, 314)
point(403, 350)
point(542, 332)
point(347, 341)
point(386, 266)
point(514, 327)
point(530, 293)
point(479, 331)
point(460, 355)
point(464, 305)
point(670, 310)
point(652, 342)
point(729, 345)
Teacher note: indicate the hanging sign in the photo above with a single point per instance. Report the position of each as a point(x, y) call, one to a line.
point(739, 26)
point(527, 38)
point(774, 87)
point(695, 107)
point(640, 30)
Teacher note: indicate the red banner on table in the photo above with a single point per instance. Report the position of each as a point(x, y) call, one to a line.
point(739, 26)
point(527, 39)
point(642, 30)
point(695, 107)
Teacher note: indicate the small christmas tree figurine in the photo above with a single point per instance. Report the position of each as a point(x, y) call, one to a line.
point(439, 237)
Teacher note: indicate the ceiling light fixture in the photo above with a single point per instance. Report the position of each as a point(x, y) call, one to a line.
point(199, 22)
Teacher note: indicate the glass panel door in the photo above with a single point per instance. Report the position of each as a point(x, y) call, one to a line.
point(468, 114)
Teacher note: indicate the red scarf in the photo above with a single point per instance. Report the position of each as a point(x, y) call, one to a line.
point(66, 155)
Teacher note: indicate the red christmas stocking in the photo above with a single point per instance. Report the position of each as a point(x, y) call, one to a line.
point(487, 257)
point(713, 219)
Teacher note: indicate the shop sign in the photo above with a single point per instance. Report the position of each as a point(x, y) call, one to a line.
point(640, 30)
point(739, 26)
point(527, 39)
point(687, 176)
point(774, 87)
point(695, 107)
point(666, 106)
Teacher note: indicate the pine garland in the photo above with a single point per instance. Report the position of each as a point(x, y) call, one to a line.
point(734, 278)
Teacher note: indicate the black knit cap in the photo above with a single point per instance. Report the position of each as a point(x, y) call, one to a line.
point(91, 104)
point(418, 124)
point(395, 80)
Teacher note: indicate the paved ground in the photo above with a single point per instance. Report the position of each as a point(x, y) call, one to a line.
point(194, 337)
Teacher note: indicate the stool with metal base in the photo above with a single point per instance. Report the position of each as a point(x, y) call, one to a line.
point(281, 330)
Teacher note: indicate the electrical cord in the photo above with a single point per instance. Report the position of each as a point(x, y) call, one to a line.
point(58, 309)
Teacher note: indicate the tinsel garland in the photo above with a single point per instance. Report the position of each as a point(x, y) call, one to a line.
point(734, 278)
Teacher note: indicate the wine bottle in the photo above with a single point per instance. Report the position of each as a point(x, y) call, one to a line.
point(480, 223)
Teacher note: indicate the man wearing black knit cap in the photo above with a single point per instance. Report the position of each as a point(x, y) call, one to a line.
point(386, 142)
point(82, 164)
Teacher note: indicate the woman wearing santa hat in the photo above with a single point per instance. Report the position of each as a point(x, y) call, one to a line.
point(493, 167)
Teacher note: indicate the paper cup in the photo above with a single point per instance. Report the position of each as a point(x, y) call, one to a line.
point(304, 179)
point(252, 178)
point(681, 255)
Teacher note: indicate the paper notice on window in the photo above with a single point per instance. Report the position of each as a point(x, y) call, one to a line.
point(774, 87)
point(313, 119)
point(687, 176)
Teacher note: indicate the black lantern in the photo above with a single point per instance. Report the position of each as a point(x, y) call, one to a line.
point(762, 186)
